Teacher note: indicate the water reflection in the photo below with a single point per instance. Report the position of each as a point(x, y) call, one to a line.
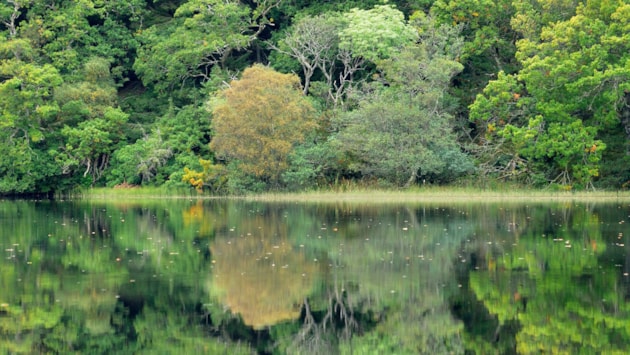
point(552, 283)
point(259, 274)
point(236, 277)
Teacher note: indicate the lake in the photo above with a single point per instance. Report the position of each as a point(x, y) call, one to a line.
point(237, 277)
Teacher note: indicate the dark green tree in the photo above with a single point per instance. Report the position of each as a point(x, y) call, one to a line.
point(95, 125)
point(181, 52)
point(403, 130)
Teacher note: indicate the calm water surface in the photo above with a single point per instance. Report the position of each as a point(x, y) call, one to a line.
point(236, 277)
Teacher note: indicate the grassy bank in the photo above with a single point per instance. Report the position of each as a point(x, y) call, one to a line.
point(107, 193)
point(446, 195)
point(430, 194)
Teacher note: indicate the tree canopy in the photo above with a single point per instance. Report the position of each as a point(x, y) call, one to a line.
point(258, 120)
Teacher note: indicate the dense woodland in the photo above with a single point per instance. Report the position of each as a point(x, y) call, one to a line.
point(239, 96)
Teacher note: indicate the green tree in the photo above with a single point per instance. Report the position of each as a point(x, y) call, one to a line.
point(140, 163)
point(69, 33)
point(393, 141)
point(95, 126)
point(313, 42)
point(27, 120)
point(9, 15)
point(403, 131)
point(572, 87)
point(489, 47)
point(376, 34)
point(176, 140)
point(486, 30)
point(335, 48)
point(203, 33)
point(258, 120)
point(85, 44)
point(91, 143)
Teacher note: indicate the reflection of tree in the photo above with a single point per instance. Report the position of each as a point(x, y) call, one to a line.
point(205, 218)
point(258, 274)
point(320, 333)
point(551, 283)
point(358, 279)
point(104, 278)
point(23, 321)
point(160, 236)
point(27, 283)
point(169, 331)
point(313, 338)
point(95, 297)
point(390, 275)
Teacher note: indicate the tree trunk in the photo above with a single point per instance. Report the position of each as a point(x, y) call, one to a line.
point(412, 178)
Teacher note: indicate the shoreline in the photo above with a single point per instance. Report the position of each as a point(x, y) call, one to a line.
point(424, 195)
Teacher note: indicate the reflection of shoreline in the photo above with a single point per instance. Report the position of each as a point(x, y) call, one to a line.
point(265, 281)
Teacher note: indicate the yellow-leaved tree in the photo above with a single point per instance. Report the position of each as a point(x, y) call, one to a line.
point(258, 120)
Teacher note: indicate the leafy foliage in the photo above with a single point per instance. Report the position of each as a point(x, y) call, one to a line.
point(377, 33)
point(27, 121)
point(202, 34)
point(569, 88)
point(258, 120)
point(402, 131)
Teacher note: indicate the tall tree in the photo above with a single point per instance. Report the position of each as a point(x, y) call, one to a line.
point(403, 130)
point(95, 126)
point(337, 47)
point(572, 86)
point(202, 34)
point(258, 120)
point(27, 119)
point(68, 33)
point(377, 33)
point(314, 43)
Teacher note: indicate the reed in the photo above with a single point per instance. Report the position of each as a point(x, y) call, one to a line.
point(107, 193)
point(445, 194)
point(369, 195)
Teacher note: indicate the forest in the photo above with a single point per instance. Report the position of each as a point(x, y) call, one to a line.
point(231, 97)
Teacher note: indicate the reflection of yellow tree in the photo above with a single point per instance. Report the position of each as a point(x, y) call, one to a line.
point(262, 279)
point(195, 215)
